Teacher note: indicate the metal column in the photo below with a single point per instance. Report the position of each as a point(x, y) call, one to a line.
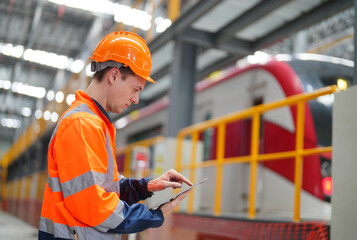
point(355, 45)
point(183, 72)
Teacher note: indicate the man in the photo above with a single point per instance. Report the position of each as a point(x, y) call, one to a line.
point(85, 198)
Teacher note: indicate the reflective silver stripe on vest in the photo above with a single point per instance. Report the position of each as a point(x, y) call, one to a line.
point(54, 184)
point(110, 185)
point(82, 182)
point(57, 229)
point(113, 220)
point(63, 231)
point(89, 233)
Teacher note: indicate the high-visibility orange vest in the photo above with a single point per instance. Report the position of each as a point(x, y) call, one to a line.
point(82, 190)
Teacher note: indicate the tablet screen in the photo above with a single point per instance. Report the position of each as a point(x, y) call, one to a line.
point(176, 195)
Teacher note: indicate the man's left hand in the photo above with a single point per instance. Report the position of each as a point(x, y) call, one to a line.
point(170, 178)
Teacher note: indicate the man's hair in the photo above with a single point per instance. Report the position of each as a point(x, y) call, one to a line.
point(124, 71)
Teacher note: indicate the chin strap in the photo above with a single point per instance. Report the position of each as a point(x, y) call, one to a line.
point(98, 66)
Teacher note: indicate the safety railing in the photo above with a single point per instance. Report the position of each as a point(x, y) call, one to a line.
point(127, 151)
point(254, 157)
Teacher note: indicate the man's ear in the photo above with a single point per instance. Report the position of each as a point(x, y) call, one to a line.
point(113, 75)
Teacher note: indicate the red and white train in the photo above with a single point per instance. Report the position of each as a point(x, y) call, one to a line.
point(241, 88)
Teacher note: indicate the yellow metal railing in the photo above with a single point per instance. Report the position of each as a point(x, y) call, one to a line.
point(127, 151)
point(254, 157)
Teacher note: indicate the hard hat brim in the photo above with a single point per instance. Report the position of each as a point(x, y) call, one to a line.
point(149, 79)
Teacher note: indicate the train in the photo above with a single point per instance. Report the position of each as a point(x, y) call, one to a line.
point(240, 88)
point(227, 91)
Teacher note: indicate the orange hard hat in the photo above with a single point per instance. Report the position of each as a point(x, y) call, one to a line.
point(126, 48)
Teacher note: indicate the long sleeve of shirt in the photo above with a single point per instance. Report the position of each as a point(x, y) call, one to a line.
point(138, 218)
point(134, 190)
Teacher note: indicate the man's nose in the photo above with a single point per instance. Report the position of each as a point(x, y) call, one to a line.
point(135, 100)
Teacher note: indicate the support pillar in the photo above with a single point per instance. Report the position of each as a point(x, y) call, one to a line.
point(183, 73)
point(355, 45)
point(344, 165)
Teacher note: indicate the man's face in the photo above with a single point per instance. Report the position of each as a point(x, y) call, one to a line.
point(125, 92)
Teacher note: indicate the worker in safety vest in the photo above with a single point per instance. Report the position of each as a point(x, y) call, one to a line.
point(85, 197)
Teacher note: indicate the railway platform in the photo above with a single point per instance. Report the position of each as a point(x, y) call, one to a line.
point(12, 228)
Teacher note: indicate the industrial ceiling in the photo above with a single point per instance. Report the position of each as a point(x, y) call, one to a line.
point(63, 37)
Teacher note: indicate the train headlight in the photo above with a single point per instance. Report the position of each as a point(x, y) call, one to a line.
point(327, 186)
point(341, 84)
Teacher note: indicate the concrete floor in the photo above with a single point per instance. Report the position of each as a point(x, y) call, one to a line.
point(12, 228)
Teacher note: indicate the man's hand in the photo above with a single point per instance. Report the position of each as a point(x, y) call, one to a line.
point(169, 207)
point(170, 178)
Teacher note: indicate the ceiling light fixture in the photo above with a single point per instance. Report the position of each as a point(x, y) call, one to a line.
point(32, 91)
point(42, 57)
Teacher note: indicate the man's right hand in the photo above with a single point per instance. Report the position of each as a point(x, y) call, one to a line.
point(169, 207)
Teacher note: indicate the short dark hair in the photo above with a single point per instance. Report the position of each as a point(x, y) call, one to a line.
point(124, 71)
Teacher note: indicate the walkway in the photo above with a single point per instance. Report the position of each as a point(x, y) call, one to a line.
point(12, 228)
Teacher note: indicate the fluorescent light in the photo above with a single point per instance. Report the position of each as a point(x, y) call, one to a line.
point(54, 117)
point(5, 84)
point(10, 123)
point(77, 66)
point(32, 91)
point(26, 111)
point(132, 17)
point(38, 113)
point(94, 6)
point(42, 57)
point(59, 97)
point(162, 24)
point(47, 115)
point(46, 58)
point(11, 50)
point(70, 98)
point(122, 13)
point(50, 95)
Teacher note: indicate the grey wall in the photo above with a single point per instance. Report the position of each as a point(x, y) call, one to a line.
point(344, 166)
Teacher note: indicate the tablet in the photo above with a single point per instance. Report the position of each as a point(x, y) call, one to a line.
point(176, 195)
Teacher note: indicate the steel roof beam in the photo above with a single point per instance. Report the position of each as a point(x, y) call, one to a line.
point(323, 11)
point(255, 13)
point(182, 23)
point(208, 40)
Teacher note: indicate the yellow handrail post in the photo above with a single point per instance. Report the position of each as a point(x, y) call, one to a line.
point(300, 127)
point(149, 34)
point(179, 153)
point(192, 170)
point(4, 187)
point(254, 151)
point(180, 138)
point(174, 9)
point(127, 162)
point(220, 160)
